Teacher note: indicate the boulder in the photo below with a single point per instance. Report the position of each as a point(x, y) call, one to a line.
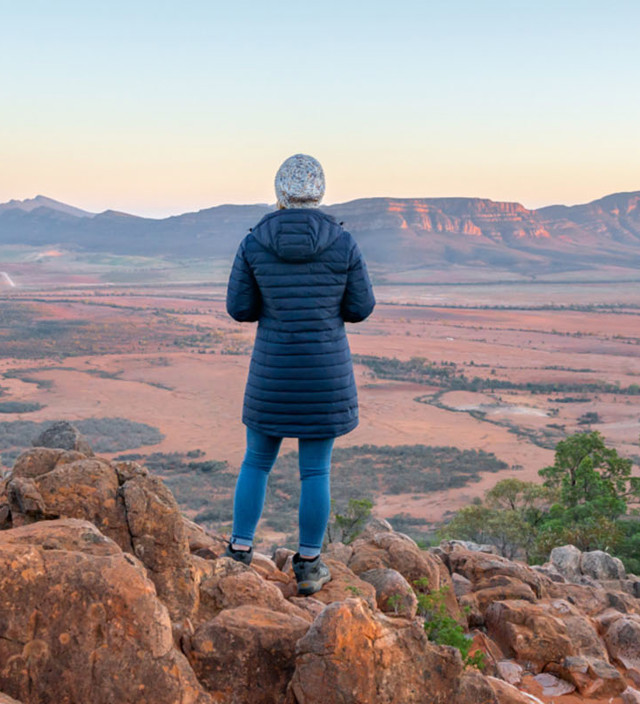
point(159, 540)
point(340, 552)
point(553, 686)
point(566, 561)
point(448, 545)
point(25, 504)
point(6, 699)
point(423, 571)
point(506, 693)
point(39, 460)
point(461, 585)
point(393, 593)
point(65, 436)
point(85, 488)
point(622, 638)
point(123, 501)
point(475, 689)
point(231, 584)
point(528, 633)
point(548, 570)
point(312, 607)
point(479, 566)
point(200, 539)
point(373, 526)
point(246, 654)
point(281, 555)
point(580, 629)
point(81, 622)
point(492, 654)
point(510, 671)
point(589, 600)
point(606, 681)
point(351, 655)
point(70, 534)
point(600, 565)
point(629, 696)
point(500, 588)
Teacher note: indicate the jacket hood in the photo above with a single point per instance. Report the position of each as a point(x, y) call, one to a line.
point(297, 234)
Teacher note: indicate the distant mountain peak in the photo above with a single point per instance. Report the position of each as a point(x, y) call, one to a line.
point(40, 201)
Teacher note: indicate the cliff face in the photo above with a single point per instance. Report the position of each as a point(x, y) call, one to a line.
point(393, 232)
point(108, 594)
point(475, 217)
point(615, 218)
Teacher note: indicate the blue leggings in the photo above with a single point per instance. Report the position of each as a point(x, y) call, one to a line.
point(315, 498)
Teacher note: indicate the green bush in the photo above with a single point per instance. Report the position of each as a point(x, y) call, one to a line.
point(440, 627)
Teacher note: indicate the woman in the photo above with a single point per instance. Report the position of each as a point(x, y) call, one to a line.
point(301, 276)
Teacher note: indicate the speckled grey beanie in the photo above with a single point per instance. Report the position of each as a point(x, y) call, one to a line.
point(300, 182)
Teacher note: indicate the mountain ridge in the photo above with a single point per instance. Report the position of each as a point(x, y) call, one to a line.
point(393, 232)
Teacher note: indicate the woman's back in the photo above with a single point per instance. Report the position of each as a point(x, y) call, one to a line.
point(301, 275)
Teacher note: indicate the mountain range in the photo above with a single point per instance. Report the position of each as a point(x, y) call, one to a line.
point(392, 232)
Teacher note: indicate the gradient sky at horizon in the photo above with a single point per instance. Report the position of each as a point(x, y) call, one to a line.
point(158, 108)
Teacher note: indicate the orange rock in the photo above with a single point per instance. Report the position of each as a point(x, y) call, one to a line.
point(475, 689)
point(400, 553)
point(340, 551)
point(479, 567)
point(85, 488)
point(580, 629)
point(246, 654)
point(528, 633)
point(492, 653)
point(200, 539)
point(6, 699)
point(82, 622)
point(71, 534)
point(393, 593)
point(500, 588)
point(351, 655)
point(231, 584)
point(37, 461)
point(508, 694)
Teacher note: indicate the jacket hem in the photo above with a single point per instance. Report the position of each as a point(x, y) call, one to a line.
point(282, 432)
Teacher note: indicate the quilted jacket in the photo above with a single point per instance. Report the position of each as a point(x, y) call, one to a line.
point(301, 276)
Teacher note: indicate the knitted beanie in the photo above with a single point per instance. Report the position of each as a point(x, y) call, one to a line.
point(300, 182)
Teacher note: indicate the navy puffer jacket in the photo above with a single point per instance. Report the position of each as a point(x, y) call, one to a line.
point(301, 276)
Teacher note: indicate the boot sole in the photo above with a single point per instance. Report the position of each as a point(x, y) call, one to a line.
point(309, 587)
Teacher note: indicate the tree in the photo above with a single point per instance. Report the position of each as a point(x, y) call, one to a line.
point(508, 517)
point(346, 527)
point(595, 486)
point(593, 480)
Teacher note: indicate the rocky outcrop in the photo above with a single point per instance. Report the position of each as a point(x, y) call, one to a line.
point(370, 659)
point(108, 594)
point(65, 436)
point(82, 622)
point(567, 563)
point(122, 500)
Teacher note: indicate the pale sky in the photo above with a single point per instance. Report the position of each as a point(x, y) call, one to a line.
point(158, 108)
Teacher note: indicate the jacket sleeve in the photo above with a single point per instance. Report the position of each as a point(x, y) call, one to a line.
point(358, 300)
point(244, 302)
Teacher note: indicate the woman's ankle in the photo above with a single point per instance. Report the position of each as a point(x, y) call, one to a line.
point(238, 547)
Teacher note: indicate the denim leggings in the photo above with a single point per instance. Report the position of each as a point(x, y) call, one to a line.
point(315, 502)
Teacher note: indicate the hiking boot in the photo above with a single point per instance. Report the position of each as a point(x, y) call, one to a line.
point(311, 575)
point(244, 556)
